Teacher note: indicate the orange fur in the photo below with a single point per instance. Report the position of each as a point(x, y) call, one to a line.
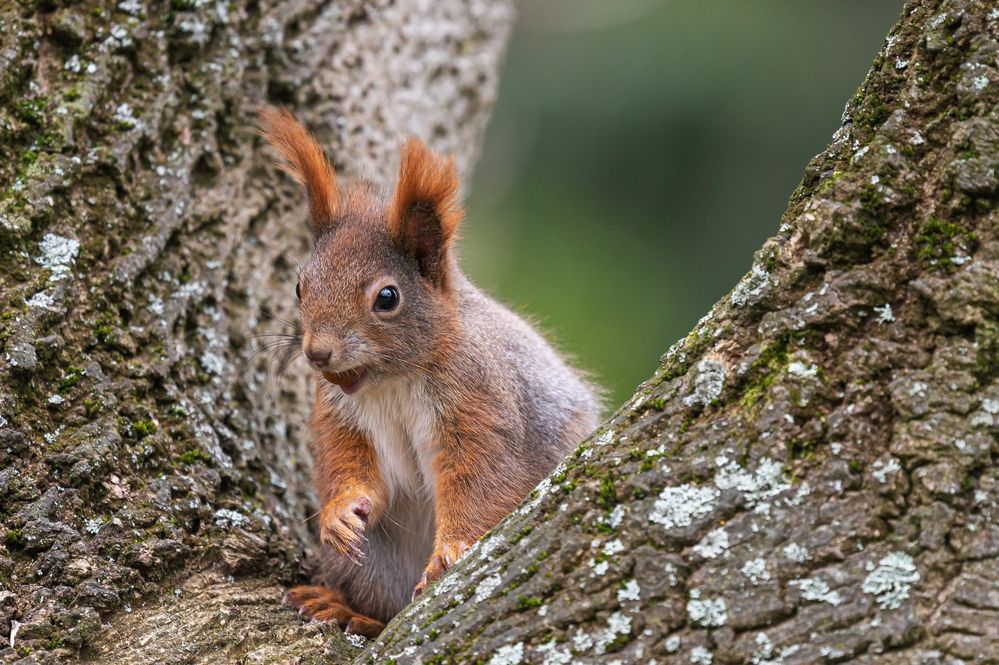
point(424, 214)
point(477, 484)
point(304, 160)
point(345, 471)
point(426, 179)
point(322, 604)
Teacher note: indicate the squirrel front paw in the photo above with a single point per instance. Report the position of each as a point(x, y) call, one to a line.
point(342, 523)
point(444, 556)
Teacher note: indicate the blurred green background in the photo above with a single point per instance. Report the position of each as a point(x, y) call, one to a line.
point(642, 150)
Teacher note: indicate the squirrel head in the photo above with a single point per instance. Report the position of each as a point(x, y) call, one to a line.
point(376, 295)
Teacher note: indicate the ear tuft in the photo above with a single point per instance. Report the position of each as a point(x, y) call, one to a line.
point(425, 213)
point(304, 160)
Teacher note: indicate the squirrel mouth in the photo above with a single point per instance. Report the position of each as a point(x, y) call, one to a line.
point(348, 381)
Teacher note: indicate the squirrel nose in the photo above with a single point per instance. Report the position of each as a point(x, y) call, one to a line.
point(318, 356)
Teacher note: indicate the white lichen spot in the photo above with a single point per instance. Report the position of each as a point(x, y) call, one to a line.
point(980, 82)
point(670, 571)
point(40, 300)
point(709, 612)
point(581, 642)
point(155, 304)
point(355, 640)
point(198, 30)
point(804, 489)
point(885, 315)
point(448, 585)
point(796, 553)
point(613, 547)
point(803, 370)
point(617, 624)
point(680, 506)
point(605, 438)
point(541, 491)
point(124, 116)
point(860, 153)
point(615, 517)
point(58, 255)
point(672, 644)
point(510, 654)
point(757, 488)
point(814, 588)
point(191, 289)
point(708, 383)
point(554, 655)
point(713, 544)
point(900, 63)
point(891, 580)
point(226, 518)
point(880, 470)
point(486, 587)
point(93, 525)
point(764, 650)
point(756, 571)
point(212, 362)
point(56, 399)
point(752, 287)
point(700, 656)
point(133, 7)
point(120, 37)
point(630, 592)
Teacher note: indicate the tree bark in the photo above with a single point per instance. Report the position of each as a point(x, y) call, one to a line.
point(810, 474)
point(154, 469)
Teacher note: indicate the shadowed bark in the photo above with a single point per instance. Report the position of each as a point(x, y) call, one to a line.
point(154, 496)
point(810, 475)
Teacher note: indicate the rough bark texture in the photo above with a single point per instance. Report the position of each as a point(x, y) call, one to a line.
point(810, 475)
point(154, 491)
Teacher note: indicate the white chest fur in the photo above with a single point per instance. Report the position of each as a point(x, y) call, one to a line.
point(399, 417)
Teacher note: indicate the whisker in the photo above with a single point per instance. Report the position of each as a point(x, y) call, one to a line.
point(277, 348)
point(263, 310)
point(284, 370)
point(309, 517)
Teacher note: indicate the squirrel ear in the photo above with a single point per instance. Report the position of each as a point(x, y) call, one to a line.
point(424, 214)
point(303, 159)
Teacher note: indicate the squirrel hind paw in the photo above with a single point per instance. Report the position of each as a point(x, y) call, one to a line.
point(320, 603)
point(297, 596)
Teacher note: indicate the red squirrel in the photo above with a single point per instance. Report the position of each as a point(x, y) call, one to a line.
point(436, 411)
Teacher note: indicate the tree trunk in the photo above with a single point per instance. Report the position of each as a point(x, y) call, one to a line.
point(810, 474)
point(154, 490)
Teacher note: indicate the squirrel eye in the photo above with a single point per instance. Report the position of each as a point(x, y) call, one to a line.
point(387, 299)
point(298, 290)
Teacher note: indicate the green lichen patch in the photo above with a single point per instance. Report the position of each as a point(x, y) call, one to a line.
point(764, 372)
point(942, 244)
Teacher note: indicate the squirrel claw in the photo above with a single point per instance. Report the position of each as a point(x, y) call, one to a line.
point(443, 558)
point(343, 524)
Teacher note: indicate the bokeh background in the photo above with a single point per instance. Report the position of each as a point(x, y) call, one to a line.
point(642, 150)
